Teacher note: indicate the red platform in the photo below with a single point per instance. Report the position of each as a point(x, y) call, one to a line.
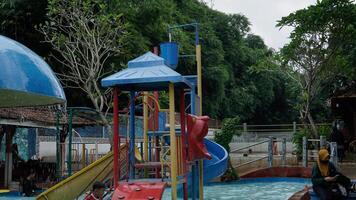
point(139, 191)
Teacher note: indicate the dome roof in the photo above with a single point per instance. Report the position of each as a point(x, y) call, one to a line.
point(25, 78)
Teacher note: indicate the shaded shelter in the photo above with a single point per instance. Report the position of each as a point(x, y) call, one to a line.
point(343, 105)
point(26, 80)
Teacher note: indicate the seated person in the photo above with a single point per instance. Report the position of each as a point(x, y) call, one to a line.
point(29, 185)
point(15, 154)
point(328, 183)
point(97, 193)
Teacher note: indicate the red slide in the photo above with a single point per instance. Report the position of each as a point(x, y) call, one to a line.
point(197, 129)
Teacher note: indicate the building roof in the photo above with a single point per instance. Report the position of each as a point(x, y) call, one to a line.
point(348, 91)
point(146, 73)
point(45, 117)
point(25, 78)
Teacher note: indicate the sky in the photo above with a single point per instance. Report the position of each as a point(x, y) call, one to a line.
point(263, 15)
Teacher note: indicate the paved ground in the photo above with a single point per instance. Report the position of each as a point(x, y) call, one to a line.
point(348, 169)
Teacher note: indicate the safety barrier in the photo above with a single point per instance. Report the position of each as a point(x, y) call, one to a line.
point(271, 142)
point(322, 144)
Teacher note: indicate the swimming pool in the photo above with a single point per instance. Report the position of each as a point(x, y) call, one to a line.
point(245, 189)
point(252, 189)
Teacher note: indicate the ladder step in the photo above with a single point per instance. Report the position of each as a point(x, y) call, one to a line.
point(151, 165)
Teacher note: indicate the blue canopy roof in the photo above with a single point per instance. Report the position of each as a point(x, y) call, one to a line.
point(146, 73)
point(25, 78)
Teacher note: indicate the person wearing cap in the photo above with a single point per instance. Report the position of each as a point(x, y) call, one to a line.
point(97, 193)
point(328, 183)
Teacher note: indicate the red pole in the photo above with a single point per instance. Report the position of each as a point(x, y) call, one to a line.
point(155, 125)
point(116, 137)
point(184, 143)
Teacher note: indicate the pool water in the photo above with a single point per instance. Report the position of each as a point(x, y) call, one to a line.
point(246, 189)
point(252, 189)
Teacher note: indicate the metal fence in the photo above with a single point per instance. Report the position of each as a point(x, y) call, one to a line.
point(256, 133)
point(270, 152)
point(322, 144)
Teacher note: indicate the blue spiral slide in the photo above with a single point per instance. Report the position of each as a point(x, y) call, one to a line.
point(217, 166)
point(213, 168)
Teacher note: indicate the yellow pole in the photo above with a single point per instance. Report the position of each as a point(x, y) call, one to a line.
point(83, 155)
point(173, 138)
point(200, 95)
point(145, 131)
point(199, 73)
point(179, 156)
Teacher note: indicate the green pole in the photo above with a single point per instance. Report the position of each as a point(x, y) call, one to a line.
point(58, 156)
point(70, 132)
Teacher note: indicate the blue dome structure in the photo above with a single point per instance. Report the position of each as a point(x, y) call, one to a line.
point(25, 78)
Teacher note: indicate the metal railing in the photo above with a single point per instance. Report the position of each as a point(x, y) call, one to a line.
point(322, 144)
point(270, 153)
point(255, 133)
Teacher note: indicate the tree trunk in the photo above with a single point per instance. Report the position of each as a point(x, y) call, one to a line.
point(312, 125)
point(107, 127)
point(103, 118)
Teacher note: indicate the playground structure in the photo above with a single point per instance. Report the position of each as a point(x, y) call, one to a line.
point(170, 155)
point(180, 149)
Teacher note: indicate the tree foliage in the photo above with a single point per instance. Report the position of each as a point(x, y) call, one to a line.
point(230, 52)
point(315, 57)
point(224, 137)
point(84, 34)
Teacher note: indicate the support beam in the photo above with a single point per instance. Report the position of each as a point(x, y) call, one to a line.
point(116, 137)
point(305, 152)
point(9, 134)
point(184, 143)
point(200, 95)
point(132, 136)
point(173, 141)
point(70, 135)
point(145, 131)
point(195, 189)
point(58, 148)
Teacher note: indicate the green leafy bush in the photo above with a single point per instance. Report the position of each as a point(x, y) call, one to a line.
point(306, 132)
point(224, 137)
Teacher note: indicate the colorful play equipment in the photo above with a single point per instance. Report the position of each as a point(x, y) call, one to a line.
point(175, 155)
point(171, 156)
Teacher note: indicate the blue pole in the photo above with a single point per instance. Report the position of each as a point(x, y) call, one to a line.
point(31, 138)
point(195, 189)
point(132, 136)
point(150, 149)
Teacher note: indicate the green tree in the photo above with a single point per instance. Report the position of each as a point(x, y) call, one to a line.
point(312, 57)
point(230, 86)
point(224, 137)
point(85, 35)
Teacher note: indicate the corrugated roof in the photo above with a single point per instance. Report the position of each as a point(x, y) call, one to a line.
point(45, 117)
point(145, 73)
